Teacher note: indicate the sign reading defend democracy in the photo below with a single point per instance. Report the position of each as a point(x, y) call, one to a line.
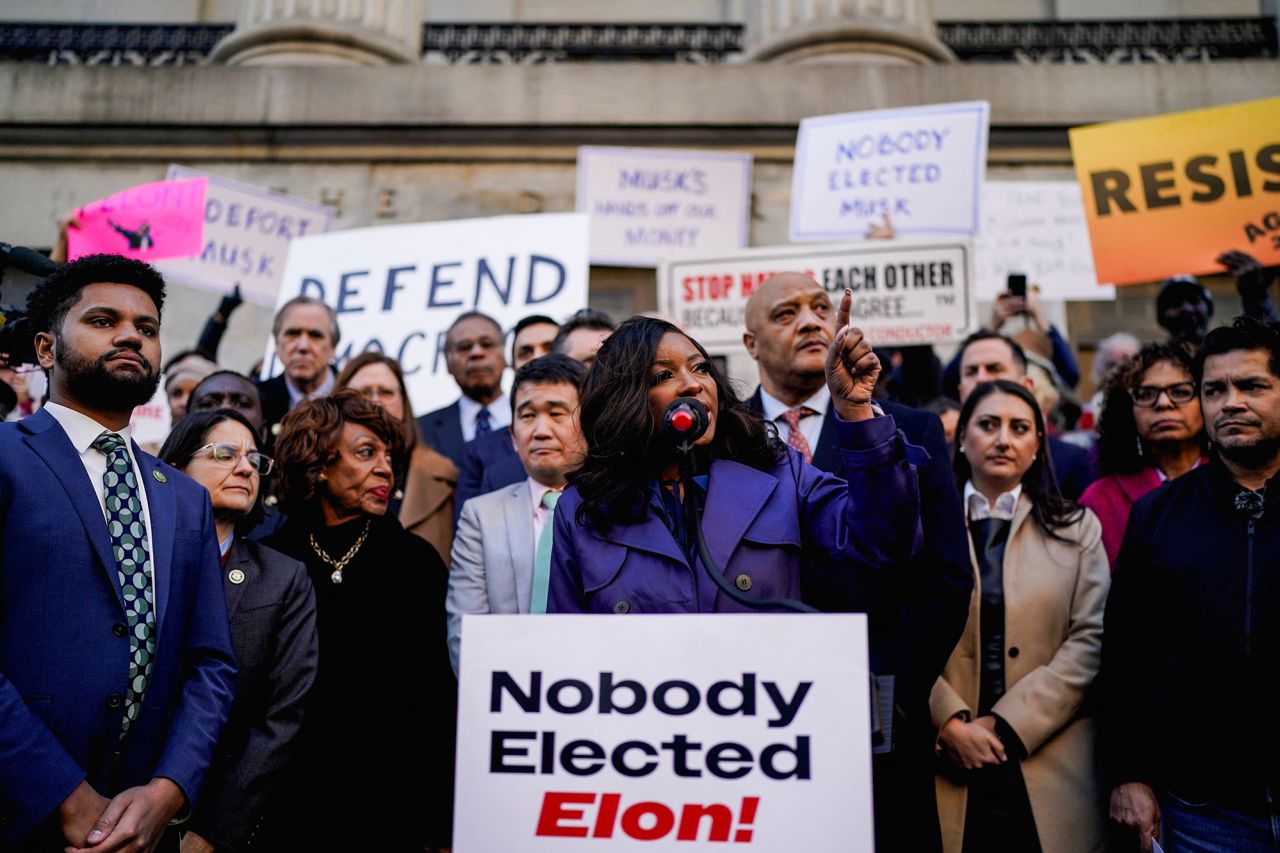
point(585, 732)
point(647, 204)
point(397, 288)
point(247, 230)
point(162, 219)
point(904, 291)
point(923, 166)
point(1167, 195)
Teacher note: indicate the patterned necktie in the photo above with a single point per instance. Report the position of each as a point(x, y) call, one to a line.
point(127, 531)
point(542, 557)
point(483, 427)
point(795, 437)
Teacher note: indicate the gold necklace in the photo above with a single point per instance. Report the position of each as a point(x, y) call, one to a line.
point(339, 565)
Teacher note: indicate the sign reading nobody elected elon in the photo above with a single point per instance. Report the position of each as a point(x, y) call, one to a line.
point(397, 288)
point(583, 733)
point(904, 291)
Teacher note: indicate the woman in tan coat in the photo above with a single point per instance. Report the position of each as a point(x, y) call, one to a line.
point(424, 504)
point(1016, 745)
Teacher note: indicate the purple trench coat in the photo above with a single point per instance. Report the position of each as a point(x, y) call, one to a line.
point(792, 531)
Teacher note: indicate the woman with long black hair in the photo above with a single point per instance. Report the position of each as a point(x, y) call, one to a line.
point(775, 526)
point(1018, 771)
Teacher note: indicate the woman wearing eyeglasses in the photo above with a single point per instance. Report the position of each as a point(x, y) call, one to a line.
point(1150, 431)
point(272, 610)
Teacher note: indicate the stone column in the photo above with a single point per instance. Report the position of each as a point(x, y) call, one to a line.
point(324, 32)
point(862, 32)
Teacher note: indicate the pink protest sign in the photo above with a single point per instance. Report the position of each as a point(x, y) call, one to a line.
point(164, 219)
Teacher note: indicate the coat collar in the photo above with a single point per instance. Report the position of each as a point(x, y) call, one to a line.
point(428, 485)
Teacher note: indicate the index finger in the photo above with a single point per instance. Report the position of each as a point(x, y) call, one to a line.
point(842, 313)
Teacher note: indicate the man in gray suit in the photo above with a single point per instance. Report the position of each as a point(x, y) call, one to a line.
point(496, 573)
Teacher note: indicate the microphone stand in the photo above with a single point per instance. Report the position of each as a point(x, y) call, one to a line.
point(693, 520)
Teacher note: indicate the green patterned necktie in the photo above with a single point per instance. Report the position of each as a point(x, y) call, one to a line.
point(127, 530)
point(542, 557)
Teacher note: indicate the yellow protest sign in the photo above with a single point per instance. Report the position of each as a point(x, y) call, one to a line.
point(1168, 194)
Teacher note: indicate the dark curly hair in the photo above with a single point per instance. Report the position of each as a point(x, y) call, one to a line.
point(48, 304)
point(1117, 430)
point(1049, 508)
point(624, 448)
point(308, 441)
point(188, 436)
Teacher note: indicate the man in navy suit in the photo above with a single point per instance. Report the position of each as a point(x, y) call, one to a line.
point(914, 622)
point(116, 668)
point(306, 333)
point(473, 353)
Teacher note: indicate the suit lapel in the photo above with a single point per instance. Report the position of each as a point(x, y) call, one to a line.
point(47, 438)
point(162, 505)
point(451, 432)
point(826, 456)
point(517, 513)
point(238, 559)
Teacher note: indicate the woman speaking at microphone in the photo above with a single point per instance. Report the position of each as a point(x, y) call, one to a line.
point(624, 536)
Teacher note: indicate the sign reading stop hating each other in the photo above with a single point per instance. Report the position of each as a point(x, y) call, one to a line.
point(660, 732)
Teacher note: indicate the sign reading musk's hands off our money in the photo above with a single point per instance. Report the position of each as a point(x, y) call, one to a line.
point(595, 733)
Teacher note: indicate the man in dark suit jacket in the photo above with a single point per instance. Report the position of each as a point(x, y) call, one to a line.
point(306, 335)
point(915, 621)
point(473, 353)
point(116, 669)
point(985, 356)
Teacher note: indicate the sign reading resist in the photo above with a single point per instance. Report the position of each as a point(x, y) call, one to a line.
point(599, 733)
point(904, 291)
point(397, 288)
point(647, 204)
point(922, 166)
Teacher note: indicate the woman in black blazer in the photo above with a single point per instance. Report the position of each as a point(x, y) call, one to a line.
point(272, 609)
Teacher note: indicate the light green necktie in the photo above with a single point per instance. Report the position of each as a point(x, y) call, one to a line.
point(542, 557)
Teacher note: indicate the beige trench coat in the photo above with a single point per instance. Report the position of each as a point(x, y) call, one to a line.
point(1054, 595)
point(427, 508)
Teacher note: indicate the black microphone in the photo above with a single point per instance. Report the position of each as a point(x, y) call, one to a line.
point(27, 260)
point(685, 421)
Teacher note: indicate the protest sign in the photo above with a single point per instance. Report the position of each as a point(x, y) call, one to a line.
point(904, 291)
point(1036, 228)
point(163, 219)
point(647, 204)
point(594, 733)
point(149, 424)
point(247, 231)
point(923, 166)
point(396, 288)
point(1167, 195)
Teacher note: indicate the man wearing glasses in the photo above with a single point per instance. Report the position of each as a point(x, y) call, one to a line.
point(116, 669)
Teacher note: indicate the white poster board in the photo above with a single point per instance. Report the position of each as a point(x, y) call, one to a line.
point(149, 424)
point(397, 288)
point(904, 291)
point(247, 231)
point(1036, 228)
point(595, 733)
point(647, 204)
point(923, 166)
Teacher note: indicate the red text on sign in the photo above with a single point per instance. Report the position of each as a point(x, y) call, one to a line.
point(573, 814)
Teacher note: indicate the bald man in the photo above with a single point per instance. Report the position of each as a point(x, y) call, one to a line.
point(917, 620)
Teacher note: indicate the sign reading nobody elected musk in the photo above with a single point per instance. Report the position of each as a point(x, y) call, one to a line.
point(583, 733)
point(647, 204)
point(904, 291)
point(923, 166)
point(397, 288)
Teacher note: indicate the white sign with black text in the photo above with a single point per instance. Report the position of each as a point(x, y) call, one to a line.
point(647, 204)
point(586, 733)
point(397, 288)
point(921, 166)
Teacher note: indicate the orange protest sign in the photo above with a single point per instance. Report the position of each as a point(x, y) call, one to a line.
point(1168, 194)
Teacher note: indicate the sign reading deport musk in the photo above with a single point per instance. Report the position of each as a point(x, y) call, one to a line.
point(726, 731)
point(905, 291)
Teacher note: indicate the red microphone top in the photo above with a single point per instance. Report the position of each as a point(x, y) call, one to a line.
point(682, 420)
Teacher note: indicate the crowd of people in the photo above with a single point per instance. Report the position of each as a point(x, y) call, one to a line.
point(251, 642)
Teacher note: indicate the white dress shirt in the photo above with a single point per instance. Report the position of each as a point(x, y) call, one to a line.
point(82, 430)
point(979, 508)
point(296, 397)
point(810, 427)
point(499, 414)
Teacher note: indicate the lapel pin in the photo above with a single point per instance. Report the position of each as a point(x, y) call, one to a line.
point(160, 478)
point(275, 429)
point(235, 576)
